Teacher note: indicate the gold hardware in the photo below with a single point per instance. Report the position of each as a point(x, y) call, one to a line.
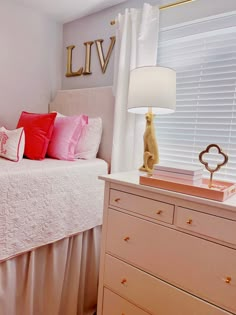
point(117, 199)
point(127, 238)
point(104, 61)
point(159, 212)
point(189, 221)
point(123, 281)
point(175, 4)
point(167, 6)
point(228, 280)
point(218, 166)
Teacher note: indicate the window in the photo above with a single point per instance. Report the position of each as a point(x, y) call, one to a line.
point(205, 65)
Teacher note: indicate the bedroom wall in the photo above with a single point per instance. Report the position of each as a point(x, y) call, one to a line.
point(98, 26)
point(30, 61)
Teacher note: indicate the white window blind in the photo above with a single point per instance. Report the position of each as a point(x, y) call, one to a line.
point(206, 99)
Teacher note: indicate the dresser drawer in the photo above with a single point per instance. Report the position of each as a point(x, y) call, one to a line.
point(152, 294)
point(198, 266)
point(113, 304)
point(148, 207)
point(206, 224)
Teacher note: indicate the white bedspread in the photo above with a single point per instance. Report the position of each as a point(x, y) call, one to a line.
point(44, 201)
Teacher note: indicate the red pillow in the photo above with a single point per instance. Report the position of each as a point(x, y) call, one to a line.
point(38, 131)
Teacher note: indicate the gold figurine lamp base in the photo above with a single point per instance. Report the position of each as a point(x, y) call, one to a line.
point(156, 97)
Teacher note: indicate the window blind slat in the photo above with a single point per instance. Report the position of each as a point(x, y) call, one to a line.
point(204, 86)
point(200, 78)
point(197, 57)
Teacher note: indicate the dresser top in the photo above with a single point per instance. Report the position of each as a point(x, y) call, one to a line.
point(131, 179)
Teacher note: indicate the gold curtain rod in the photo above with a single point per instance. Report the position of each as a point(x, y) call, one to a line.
point(167, 6)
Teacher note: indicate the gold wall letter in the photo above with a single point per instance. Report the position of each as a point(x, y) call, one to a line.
point(104, 61)
point(69, 72)
point(88, 58)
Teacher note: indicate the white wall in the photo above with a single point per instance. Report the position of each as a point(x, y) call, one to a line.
point(30, 61)
point(98, 26)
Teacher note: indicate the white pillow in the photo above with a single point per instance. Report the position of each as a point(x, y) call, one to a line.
point(12, 144)
point(89, 141)
point(90, 138)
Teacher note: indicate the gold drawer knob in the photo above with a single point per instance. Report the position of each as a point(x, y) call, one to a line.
point(126, 239)
point(190, 221)
point(117, 199)
point(159, 212)
point(123, 281)
point(228, 280)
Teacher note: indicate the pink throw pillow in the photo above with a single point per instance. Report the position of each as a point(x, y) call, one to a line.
point(38, 131)
point(65, 136)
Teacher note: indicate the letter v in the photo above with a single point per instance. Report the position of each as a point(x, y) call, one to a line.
point(104, 61)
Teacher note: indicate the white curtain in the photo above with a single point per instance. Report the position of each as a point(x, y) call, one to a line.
point(136, 46)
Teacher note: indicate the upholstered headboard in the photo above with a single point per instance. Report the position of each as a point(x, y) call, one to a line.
point(94, 102)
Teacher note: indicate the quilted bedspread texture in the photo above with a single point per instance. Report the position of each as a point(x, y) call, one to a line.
point(44, 201)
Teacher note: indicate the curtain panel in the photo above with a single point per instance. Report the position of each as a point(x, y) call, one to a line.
point(137, 43)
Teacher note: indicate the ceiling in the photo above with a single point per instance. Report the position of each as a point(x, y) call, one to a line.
point(67, 10)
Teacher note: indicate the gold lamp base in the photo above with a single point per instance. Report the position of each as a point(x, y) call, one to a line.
point(151, 153)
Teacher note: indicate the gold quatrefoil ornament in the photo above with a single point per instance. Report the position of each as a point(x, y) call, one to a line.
point(206, 164)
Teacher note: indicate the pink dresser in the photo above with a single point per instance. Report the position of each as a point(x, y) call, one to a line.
point(165, 253)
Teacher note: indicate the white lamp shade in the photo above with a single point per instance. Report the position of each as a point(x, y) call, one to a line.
point(152, 87)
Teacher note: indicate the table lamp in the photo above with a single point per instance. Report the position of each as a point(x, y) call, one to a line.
point(152, 90)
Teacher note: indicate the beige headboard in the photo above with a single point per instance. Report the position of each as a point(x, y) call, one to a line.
point(94, 102)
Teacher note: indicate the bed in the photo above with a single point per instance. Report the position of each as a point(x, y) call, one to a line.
point(50, 221)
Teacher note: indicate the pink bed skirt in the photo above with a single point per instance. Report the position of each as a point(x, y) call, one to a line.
point(56, 279)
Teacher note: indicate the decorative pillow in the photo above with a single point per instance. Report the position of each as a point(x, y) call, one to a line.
point(65, 136)
point(89, 141)
point(12, 144)
point(38, 131)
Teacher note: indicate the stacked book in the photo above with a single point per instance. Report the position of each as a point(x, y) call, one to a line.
point(186, 174)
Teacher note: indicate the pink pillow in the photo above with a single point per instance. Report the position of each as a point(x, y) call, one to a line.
point(65, 136)
point(38, 131)
point(89, 140)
